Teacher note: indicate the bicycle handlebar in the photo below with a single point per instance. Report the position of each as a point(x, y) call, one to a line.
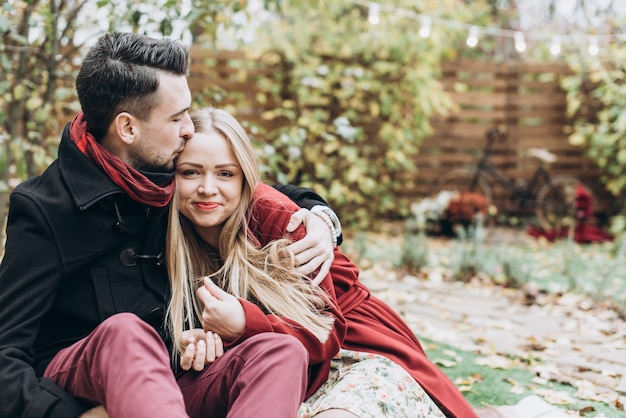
point(497, 132)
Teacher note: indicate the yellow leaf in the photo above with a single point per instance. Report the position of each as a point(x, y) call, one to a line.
point(18, 92)
point(374, 109)
point(330, 147)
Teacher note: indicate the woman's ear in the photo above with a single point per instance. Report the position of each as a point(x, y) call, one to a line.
point(125, 127)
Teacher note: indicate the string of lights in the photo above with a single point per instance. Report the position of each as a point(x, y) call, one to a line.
point(520, 38)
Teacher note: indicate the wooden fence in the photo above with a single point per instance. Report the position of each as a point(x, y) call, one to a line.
point(524, 98)
point(233, 79)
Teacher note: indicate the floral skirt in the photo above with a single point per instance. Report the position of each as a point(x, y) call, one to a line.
point(370, 386)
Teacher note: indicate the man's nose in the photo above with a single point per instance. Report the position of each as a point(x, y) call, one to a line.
point(187, 130)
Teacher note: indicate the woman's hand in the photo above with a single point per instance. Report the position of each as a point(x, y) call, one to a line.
point(222, 313)
point(200, 349)
point(316, 249)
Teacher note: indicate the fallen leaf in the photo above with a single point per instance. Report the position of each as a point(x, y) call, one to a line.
point(556, 397)
point(445, 362)
point(586, 410)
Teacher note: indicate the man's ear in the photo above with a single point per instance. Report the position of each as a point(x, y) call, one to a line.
point(126, 128)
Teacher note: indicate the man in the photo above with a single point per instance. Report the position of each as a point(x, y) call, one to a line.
point(83, 289)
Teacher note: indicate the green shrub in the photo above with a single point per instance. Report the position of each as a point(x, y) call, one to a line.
point(596, 102)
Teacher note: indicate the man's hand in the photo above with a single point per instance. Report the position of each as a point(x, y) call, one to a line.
point(316, 249)
point(97, 412)
point(222, 313)
point(200, 349)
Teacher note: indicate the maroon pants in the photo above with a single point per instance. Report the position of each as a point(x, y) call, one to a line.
point(124, 366)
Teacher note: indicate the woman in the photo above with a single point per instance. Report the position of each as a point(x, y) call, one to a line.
point(222, 209)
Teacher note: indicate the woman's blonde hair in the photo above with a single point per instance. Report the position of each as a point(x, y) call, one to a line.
point(265, 276)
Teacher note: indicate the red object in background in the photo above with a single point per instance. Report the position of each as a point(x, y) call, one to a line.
point(583, 232)
point(583, 203)
point(464, 207)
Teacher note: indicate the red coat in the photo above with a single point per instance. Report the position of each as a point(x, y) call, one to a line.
point(372, 326)
point(257, 321)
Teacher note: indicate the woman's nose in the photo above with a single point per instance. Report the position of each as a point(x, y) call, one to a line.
point(207, 186)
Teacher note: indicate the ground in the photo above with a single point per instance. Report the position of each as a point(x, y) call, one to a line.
point(559, 338)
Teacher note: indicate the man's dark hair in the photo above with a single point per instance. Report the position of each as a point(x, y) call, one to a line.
point(120, 74)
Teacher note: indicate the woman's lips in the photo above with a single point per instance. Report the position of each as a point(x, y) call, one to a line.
point(206, 205)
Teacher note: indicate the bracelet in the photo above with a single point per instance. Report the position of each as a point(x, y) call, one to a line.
point(332, 215)
point(330, 218)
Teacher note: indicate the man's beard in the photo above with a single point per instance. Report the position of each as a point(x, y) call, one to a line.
point(154, 168)
point(140, 163)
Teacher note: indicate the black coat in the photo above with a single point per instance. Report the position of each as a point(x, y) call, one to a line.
point(78, 251)
point(63, 273)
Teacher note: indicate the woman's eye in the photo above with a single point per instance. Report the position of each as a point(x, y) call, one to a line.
point(226, 174)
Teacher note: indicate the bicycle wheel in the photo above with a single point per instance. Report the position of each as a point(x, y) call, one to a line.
point(461, 180)
point(556, 202)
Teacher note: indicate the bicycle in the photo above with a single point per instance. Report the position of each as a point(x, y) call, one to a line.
point(550, 198)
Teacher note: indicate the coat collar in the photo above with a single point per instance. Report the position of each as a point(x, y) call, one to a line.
point(86, 183)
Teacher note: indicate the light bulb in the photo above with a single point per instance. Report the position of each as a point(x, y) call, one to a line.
point(472, 38)
point(593, 46)
point(426, 25)
point(520, 43)
point(555, 48)
point(374, 14)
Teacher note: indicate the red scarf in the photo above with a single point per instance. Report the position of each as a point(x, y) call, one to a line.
point(135, 184)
